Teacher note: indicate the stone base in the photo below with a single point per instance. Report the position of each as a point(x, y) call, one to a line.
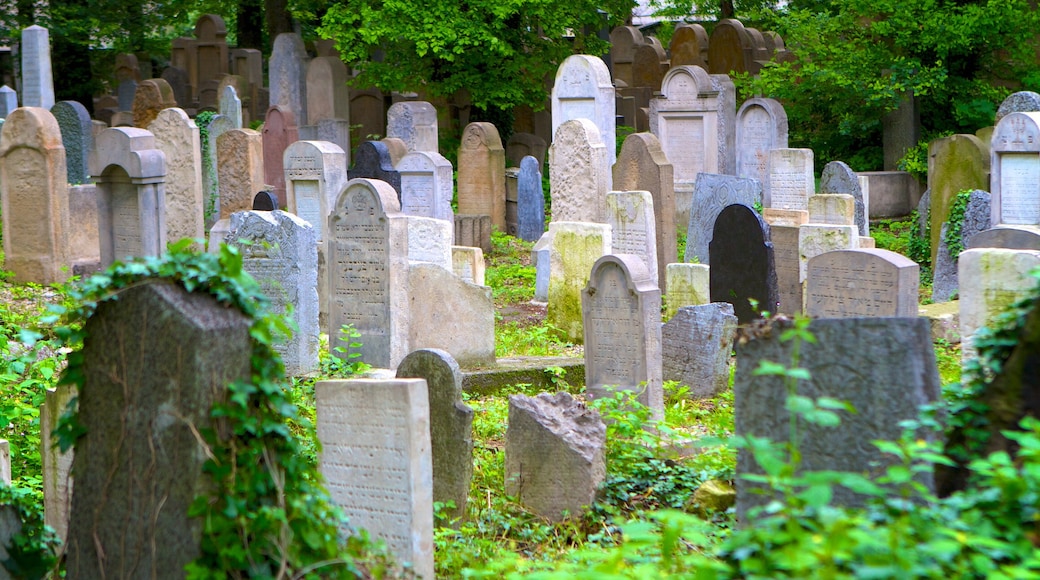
point(892, 193)
point(507, 372)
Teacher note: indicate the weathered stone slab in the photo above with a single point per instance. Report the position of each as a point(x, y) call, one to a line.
point(77, 136)
point(530, 203)
point(473, 231)
point(482, 180)
point(955, 163)
point(37, 77)
point(84, 245)
point(574, 248)
point(743, 270)
point(786, 262)
point(1015, 162)
point(631, 218)
point(859, 283)
point(696, 346)
point(1019, 102)
point(57, 465)
point(944, 270)
point(327, 93)
point(837, 177)
point(240, 170)
point(761, 128)
point(688, 285)
point(583, 90)
point(714, 193)
point(372, 161)
point(816, 239)
point(415, 123)
point(463, 320)
point(230, 105)
point(689, 45)
point(151, 96)
point(521, 145)
point(429, 241)
point(315, 173)
point(579, 172)
point(288, 75)
point(541, 261)
point(991, 280)
point(8, 101)
point(426, 185)
point(642, 166)
point(468, 264)
point(791, 179)
point(177, 137)
point(1009, 237)
point(837, 209)
point(280, 130)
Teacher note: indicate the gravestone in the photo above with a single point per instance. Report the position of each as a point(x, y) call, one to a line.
point(642, 166)
point(791, 179)
point(210, 49)
point(743, 267)
point(265, 201)
point(583, 90)
point(574, 248)
point(33, 193)
point(1008, 237)
point(623, 43)
point(843, 364)
point(530, 203)
point(451, 426)
point(482, 179)
point(1020, 102)
point(730, 48)
point(955, 163)
point(976, 219)
point(288, 76)
point(8, 101)
point(56, 464)
point(327, 93)
point(578, 172)
point(84, 246)
point(838, 177)
point(334, 131)
point(649, 64)
point(832, 208)
point(152, 96)
point(397, 148)
point(178, 138)
point(415, 123)
point(231, 106)
point(368, 114)
point(426, 185)
point(1015, 162)
point(621, 316)
point(816, 239)
point(375, 441)
point(130, 171)
point(125, 93)
point(521, 145)
point(861, 283)
point(367, 258)
point(689, 45)
point(179, 84)
point(429, 241)
point(473, 231)
point(240, 171)
point(695, 348)
point(463, 323)
point(783, 232)
point(761, 128)
point(991, 280)
point(77, 136)
point(37, 78)
point(688, 285)
point(372, 161)
point(468, 264)
point(130, 511)
point(540, 260)
point(711, 195)
point(632, 230)
point(279, 132)
point(554, 454)
point(315, 173)
point(280, 251)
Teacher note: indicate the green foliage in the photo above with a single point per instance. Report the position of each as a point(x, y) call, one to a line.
point(955, 223)
point(915, 161)
point(517, 339)
point(622, 133)
point(202, 121)
point(348, 362)
point(33, 551)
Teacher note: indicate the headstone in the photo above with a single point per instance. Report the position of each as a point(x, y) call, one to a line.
point(415, 123)
point(265, 201)
point(429, 241)
point(231, 106)
point(463, 323)
point(647, 69)
point(791, 180)
point(843, 363)
point(178, 138)
point(976, 219)
point(210, 48)
point(84, 243)
point(689, 46)
point(240, 170)
point(688, 285)
point(132, 504)
point(451, 426)
point(368, 115)
point(375, 440)
point(372, 161)
point(554, 454)
point(574, 249)
point(540, 260)
point(1015, 162)
point(367, 258)
point(152, 96)
point(743, 265)
point(56, 464)
point(335, 131)
point(473, 231)
point(426, 185)
point(761, 128)
point(1020, 102)
point(397, 148)
point(130, 172)
point(623, 43)
point(288, 76)
point(837, 177)
point(711, 195)
point(8, 101)
point(280, 251)
point(327, 93)
point(218, 125)
point(482, 180)
point(783, 232)
point(730, 48)
point(1008, 237)
point(583, 90)
point(126, 91)
point(179, 84)
point(631, 218)
point(621, 315)
point(861, 283)
point(37, 80)
point(578, 172)
point(468, 264)
point(642, 166)
point(521, 145)
point(77, 136)
point(315, 173)
point(530, 212)
point(816, 239)
point(695, 347)
point(279, 132)
point(955, 163)
point(991, 280)
point(832, 208)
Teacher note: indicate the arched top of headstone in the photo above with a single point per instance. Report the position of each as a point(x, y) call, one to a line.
point(838, 177)
point(775, 41)
point(368, 195)
point(646, 66)
point(373, 154)
point(132, 149)
point(960, 145)
point(433, 364)
point(264, 201)
point(581, 76)
point(636, 272)
point(686, 83)
point(637, 145)
point(1020, 102)
point(738, 211)
point(126, 68)
point(210, 28)
point(481, 135)
point(396, 147)
point(228, 93)
point(165, 92)
point(329, 68)
point(623, 42)
point(529, 163)
point(689, 45)
point(289, 44)
point(219, 125)
point(422, 161)
point(73, 109)
point(758, 43)
point(279, 118)
point(1017, 132)
point(311, 149)
point(580, 130)
point(421, 112)
point(31, 127)
point(521, 144)
point(1010, 237)
point(729, 47)
point(889, 257)
point(776, 111)
point(173, 115)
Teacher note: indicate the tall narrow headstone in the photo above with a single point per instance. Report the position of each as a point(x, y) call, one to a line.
point(77, 136)
point(1015, 162)
point(37, 78)
point(288, 76)
point(327, 93)
point(231, 106)
point(761, 127)
point(376, 458)
point(730, 48)
point(633, 231)
point(240, 171)
point(858, 283)
point(578, 172)
point(279, 132)
point(415, 123)
point(783, 232)
point(742, 261)
point(583, 90)
point(482, 179)
point(574, 248)
point(621, 312)
point(955, 163)
point(426, 185)
point(530, 213)
point(8, 101)
point(711, 195)
point(372, 161)
point(642, 166)
point(837, 177)
point(315, 173)
point(34, 195)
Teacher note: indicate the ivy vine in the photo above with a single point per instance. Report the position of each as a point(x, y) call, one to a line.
point(955, 223)
point(202, 121)
point(32, 552)
point(920, 247)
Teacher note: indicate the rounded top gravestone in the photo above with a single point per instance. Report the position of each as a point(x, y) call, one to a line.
point(743, 268)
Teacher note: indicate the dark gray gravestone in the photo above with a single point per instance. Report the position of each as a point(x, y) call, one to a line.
point(78, 137)
point(976, 220)
point(178, 79)
point(265, 201)
point(884, 367)
point(125, 93)
point(154, 362)
point(712, 193)
point(695, 347)
point(530, 201)
point(837, 177)
point(372, 161)
point(1020, 102)
point(451, 426)
point(743, 265)
point(1007, 237)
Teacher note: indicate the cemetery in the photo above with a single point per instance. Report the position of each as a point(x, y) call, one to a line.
point(644, 295)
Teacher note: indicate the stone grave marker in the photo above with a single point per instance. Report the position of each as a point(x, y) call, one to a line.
point(578, 172)
point(688, 285)
point(642, 166)
point(623, 43)
point(861, 283)
point(327, 94)
point(265, 201)
point(8, 101)
point(368, 114)
point(837, 209)
point(838, 177)
point(621, 316)
point(231, 106)
point(315, 173)
point(279, 132)
point(991, 280)
point(955, 163)
point(482, 179)
point(1019, 102)
point(631, 218)
point(473, 231)
point(376, 458)
point(761, 128)
point(37, 77)
point(743, 269)
point(372, 161)
point(77, 136)
point(1008, 237)
point(288, 76)
point(783, 232)
point(429, 241)
point(179, 84)
point(530, 203)
point(711, 195)
point(976, 219)
point(791, 180)
point(84, 245)
point(151, 96)
point(130, 511)
point(574, 248)
point(649, 64)
point(463, 323)
point(426, 185)
point(730, 48)
point(178, 138)
point(1015, 162)
point(696, 346)
point(210, 49)
point(415, 123)
point(689, 45)
point(540, 260)
point(583, 90)
point(521, 145)
point(816, 239)
point(468, 264)
point(56, 464)
point(240, 171)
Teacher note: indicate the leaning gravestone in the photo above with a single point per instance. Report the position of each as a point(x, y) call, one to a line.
point(743, 268)
point(621, 315)
point(530, 203)
point(695, 348)
point(177, 137)
point(77, 136)
point(583, 90)
point(761, 127)
point(482, 179)
point(554, 454)
point(451, 427)
point(711, 195)
point(131, 511)
point(642, 166)
point(837, 177)
point(375, 438)
point(860, 283)
point(415, 123)
point(976, 219)
point(578, 172)
point(1015, 162)
point(426, 185)
point(843, 362)
point(372, 161)
point(280, 251)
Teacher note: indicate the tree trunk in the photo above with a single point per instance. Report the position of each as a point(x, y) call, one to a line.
point(250, 24)
point(278, 18)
